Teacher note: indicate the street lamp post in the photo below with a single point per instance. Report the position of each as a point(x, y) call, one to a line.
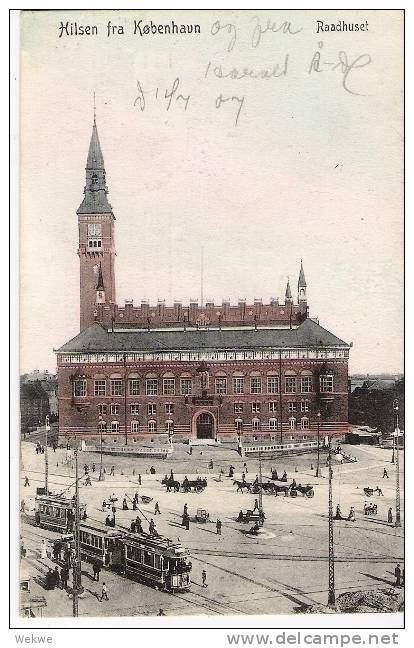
point(77, 585)
point(397, 468)
point(318, 420)
point(331, 557)
point(261, 521)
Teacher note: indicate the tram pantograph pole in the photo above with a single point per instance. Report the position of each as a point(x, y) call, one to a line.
point(77, 585)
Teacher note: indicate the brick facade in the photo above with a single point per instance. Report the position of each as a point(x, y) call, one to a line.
point(207, 345)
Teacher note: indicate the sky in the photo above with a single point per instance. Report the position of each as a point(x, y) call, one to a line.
point(257, 172)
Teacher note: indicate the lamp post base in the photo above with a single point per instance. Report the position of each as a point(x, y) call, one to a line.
point(101, 477)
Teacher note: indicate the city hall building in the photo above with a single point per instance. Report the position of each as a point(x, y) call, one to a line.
point(151, 373)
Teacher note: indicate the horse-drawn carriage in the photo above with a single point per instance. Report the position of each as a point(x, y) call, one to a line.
point(188, 485)
point(305, 491)
point(370, 491)
point(251, 516)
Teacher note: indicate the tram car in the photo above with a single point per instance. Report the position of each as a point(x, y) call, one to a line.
point(100, 544)
point(157, 561)
point(56, 513)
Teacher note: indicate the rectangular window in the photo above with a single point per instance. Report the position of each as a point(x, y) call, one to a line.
point(134, 427)
point(134, 409)
point(273, 384)
point(304, 406)
point(272, 424)
point(238, 385)
point(79, 388)
point(291, 407)
point(116, 387)
point(238, 408)
point(168, 386)
point(151, 386)
point(256, 408)
point(306, 384)
point(326, 384)
point(133, 384)
point(290, 384)
point(100, 387)
point(102, 410)
point(169, 409)
point(114, 409)
point(221, 385)
point(152, 409)
point(256, 385)
point(273, 406)
point(186, 386)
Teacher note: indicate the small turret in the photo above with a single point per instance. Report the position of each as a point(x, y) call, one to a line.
point(301, 285)
point(100, 288)
point(288, 294)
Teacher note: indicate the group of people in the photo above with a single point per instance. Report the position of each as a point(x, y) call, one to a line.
point(351, 514)
point(56, 578)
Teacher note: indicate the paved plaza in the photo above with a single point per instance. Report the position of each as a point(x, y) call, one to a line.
point(277, 575)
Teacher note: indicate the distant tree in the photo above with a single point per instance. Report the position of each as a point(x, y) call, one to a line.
point(374, 407)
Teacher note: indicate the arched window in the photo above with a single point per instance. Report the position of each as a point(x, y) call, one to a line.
point(134, 427)
point(114, 428)
point(304, 423)
point(169, 427)
point(238, 425)
point(292, 423)
point(102, 427)
point(152, 426)
point(273, 424)
point(256, 425)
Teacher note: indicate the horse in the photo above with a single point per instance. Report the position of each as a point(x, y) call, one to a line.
point(281, 489)
point(171, 484)
point(241, 485)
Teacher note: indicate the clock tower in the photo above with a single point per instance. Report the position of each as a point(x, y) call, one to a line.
point(96, 237)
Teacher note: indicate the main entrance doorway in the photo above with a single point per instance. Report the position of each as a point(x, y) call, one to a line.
point(205, 426)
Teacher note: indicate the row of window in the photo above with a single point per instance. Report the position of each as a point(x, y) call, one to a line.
point(116, 386)
point(256, 425)
point(256, 408)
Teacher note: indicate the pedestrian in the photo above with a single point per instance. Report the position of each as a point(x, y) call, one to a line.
point(104, 594)
point(112, 473)
point(157, 509)
point(385, 474)
point(56, 576)
point(191, 450)
point(139, 480)
point(351, 516)
point(390, 516)
point(43, 550)
point(243, 477)
point(210, 464)
point(88, 481)
point(93, 467)
point(63, 578)
point(204, 578)
point(22, 550)
point(22, 506)
point(218, 527)
point(96, 571)
point(50, 580)
point(134, 505)
point(152, 527)
point(397, 574)
point(379, 491)
point(26, 481)
point(185, 512)
point(161, 612)
point(256, 505)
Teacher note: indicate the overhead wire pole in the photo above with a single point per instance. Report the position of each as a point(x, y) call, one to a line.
point(397, 468)
point(77, 585)
point(331, 555)
point(260, 491)
point(47, 428)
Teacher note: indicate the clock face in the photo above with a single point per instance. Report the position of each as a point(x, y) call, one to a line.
point(94, 229)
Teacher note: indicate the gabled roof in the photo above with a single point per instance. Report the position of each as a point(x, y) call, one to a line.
point(97, 338)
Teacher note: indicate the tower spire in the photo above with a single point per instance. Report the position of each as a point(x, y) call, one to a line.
point(95, 200)
point(94, 108)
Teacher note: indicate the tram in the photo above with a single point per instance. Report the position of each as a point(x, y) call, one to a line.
point(101, 544)
point(157, 561)
point(55, 512)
